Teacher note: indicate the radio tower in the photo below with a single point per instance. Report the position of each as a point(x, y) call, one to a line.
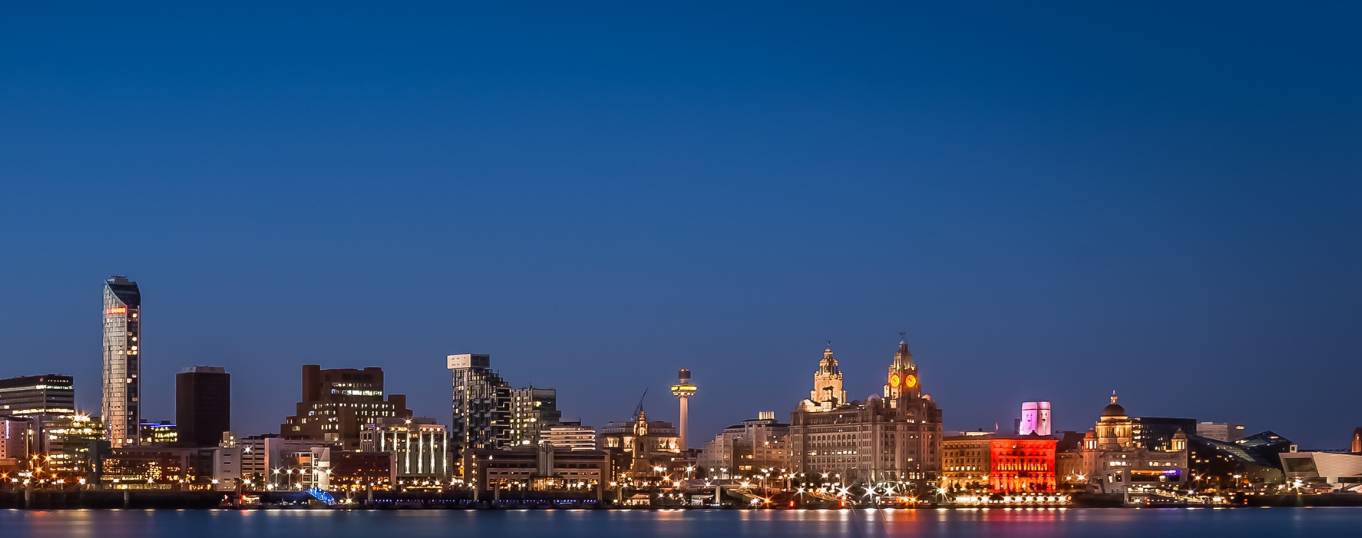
point(683, 390)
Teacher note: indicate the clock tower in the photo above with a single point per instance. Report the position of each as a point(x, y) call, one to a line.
point(902, 379)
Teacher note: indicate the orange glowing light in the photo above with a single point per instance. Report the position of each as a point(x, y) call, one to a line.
point(117, 310)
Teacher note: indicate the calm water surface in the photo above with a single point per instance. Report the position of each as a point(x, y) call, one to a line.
point(1238, 523)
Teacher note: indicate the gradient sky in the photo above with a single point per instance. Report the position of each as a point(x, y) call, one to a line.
point(1053, 201)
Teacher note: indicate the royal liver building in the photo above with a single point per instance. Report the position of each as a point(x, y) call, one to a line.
point(894, 439)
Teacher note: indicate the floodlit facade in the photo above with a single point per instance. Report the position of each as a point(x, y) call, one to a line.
point(121, 402)
point(893, 439)
point(1035, 418)
point(965, 462)
point(419, 445)
point(1114, 460)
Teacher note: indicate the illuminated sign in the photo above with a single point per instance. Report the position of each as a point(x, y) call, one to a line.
point(117, 310)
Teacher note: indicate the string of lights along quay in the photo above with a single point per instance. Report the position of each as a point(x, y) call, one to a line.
point(351, 441)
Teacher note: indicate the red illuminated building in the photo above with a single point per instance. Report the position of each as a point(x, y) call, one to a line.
point(1022, 464)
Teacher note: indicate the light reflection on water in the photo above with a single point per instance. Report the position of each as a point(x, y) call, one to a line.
point(1114, 523)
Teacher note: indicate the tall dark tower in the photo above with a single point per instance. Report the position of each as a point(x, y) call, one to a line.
point(122, 406)
point(203, 405)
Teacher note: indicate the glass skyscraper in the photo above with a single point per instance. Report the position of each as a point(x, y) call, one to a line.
point(121, 407)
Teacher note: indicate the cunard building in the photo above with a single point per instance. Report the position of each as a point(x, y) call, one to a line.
point(884, 440)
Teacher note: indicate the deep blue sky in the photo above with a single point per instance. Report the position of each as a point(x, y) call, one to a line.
point(1054, 201)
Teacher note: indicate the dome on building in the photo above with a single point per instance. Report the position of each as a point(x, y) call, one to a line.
point(1113, 409)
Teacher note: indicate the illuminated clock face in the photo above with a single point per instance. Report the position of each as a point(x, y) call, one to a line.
point(894, 380)
point(910, 381)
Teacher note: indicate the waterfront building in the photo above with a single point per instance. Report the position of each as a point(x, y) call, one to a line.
point(40, 397)
point(419, 446)
point(1022, 464)
point(74, 444)
point(163, 433)
point(744, 449)
point(827, 393)
point(1114, 460)
point(227, 461)
point(265, 458)
point(337, 403)
point(891, 439)
point(1035, 418)
point(540, 468)
point(1157, 433)
point(358, 470)
point(640, 446)
point(1220, 431)
point(683, 390)
point(1070, 475)
point(1323, 471)
point(1357, 441)
point(965, 461)
point(157, 468)
point(121, 401)
point(1249, 462)
point(532, 410)
point(16, 440)
point(980, 462)
point(203, 405)
point(570, 435)
point(481, 404)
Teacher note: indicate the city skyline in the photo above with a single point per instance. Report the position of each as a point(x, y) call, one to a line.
point(1053, 202)
point(656, 411)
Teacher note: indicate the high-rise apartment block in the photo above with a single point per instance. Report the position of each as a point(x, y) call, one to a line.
point(481, 404)
point(532, 410)
point(203, 405)
point(338, 403)
point(121, 407)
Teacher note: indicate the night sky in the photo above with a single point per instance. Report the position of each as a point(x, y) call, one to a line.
point(1052, 201)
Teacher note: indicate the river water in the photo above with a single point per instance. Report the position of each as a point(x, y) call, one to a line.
point(1107, 523)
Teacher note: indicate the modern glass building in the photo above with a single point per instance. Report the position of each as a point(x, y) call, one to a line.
point(121, 409)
